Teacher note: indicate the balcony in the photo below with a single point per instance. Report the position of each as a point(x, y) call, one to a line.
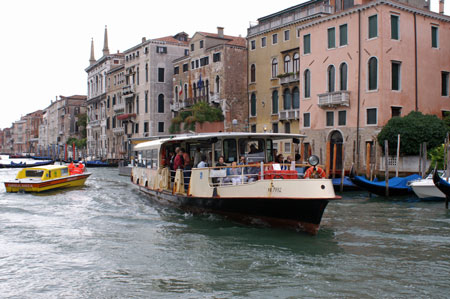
point(119, 107)
point(177, 106)
point(215, 98)
point(118, 131)
point(289, 78)
point(128, 91)
point(288, 115)
point(94, 123)
point(126, 116)
point(334, 99)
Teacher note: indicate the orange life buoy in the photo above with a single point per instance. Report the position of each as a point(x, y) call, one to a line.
point(321, 173)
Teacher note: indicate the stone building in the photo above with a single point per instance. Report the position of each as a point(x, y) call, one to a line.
point(213, 72)
point(359, 64)
point(18, 135)
point(148, 85)
point(96, 99)
point(115, 106)
point(33, 121)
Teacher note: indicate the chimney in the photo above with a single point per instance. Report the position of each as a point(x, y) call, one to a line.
point(220, 32)
point(441, 6)
point(144, 39)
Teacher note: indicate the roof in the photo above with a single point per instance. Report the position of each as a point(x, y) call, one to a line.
point(206, 136)
point(171, 39)
point(287, 10)
point(47, 167)
point(232, 40)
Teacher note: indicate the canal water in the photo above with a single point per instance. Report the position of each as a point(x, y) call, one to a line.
point(106, 240)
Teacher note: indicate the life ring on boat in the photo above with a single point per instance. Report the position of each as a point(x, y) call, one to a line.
point(318, 170)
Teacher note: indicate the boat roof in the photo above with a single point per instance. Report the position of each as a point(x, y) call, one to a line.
point(46, 167)
point(222, 135)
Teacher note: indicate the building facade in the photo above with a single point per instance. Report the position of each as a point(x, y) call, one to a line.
point(214, 72)
point(96, 99)
point(359, 65)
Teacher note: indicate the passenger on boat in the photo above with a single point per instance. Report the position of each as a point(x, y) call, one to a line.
point(221, 163)
point(234, 174)
point(178, 161)
point(187, 159)
point(187, 167)
point(197, 157)
point(203, 163)
point(71, 167)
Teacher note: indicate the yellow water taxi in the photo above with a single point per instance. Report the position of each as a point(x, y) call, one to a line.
point(43, 178)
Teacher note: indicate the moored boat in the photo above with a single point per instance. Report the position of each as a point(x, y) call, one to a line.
point(257, 190)
point(43, 178)
point(426, 189)
point(441, 184)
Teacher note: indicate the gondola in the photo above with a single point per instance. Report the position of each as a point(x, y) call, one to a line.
point(25, 164)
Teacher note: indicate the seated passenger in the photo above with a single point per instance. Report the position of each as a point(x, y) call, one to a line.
point(234, 174)
point(203, 163)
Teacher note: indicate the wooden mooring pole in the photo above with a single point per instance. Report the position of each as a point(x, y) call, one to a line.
point(343, 169)
point(386, 166)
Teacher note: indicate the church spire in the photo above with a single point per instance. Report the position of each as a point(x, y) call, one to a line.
point(105, 43)
point(92, 59)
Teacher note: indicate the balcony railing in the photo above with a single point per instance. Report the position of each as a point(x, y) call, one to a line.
point(334, 99)
point(118, 130)
point(119, 107)
point(177, 106)
point(94, 123)
point(290, 78)
point(128, 90)
point(215, 98)
point(288, 115)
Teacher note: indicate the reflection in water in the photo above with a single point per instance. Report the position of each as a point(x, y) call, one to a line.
point(108, 240)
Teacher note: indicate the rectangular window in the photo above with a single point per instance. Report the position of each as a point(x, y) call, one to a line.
point(342, 118)
point(201, 44)
point(396, 111)
point(253, 129)
point(445, 84)
point(395, 28)
point(330, 119)
point(306, 120)
point(343, 39)
point(307, 44)
point(371, 118)
point(185, 67)
point(192, 47)
point(176, 70)
point(136, 130)
point(216, 57)
point(146, 127)
point(396, 75)
point(146, 102)
point(434, 37)
point(275, 127)
point(186, 52)
point(287, 127)
point(160, 127)
point(263, 42)
point(274, 39)
point(160, 74)
point(287, 35)
point(373, 26)
point(252, 45)
point(161, 50)
point(331, 38)
point(192, 65)
point(287, 147)
point(197, 64)
point(137, 104)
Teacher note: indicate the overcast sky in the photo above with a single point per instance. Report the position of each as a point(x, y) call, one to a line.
point(45, 45)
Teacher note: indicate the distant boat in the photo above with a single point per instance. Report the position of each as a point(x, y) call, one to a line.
point(13, 164)
point(99, 163)
point(397, 185)
point(441, 184)
point(348, 184)
point(426, 189)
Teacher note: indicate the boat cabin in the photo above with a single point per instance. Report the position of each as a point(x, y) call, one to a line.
point(44, 173)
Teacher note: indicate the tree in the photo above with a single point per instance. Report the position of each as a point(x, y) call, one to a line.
point(82, 124)
point(414, 129)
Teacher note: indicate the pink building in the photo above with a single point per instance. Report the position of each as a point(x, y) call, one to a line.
point(361, 66)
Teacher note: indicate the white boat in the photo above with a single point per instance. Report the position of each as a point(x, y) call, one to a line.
point(259, 191)
point(425, 188)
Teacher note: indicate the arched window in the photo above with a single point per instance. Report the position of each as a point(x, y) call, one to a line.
point(287, 99)
point(176, 93)
point(296, 64)
point(275, 102)
point(373, 73)
point(287, 64)
point(343, 76)
point(307, 83)
point(217, 84)
point(295, 98)
point(330, 78)
point(161, 103)
point(253, 73)
point(253, 105)
point(274, 67)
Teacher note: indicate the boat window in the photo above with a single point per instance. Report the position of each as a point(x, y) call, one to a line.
point(217, 151)
point(64, 171)
point(34, 173)
point(269, 150)
point(252, 149)
point(230, 150)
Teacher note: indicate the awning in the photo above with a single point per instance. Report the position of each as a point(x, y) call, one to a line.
point(126, 116)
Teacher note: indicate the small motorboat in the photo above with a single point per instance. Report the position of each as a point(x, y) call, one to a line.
point(44, 178)
point(426, 189)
